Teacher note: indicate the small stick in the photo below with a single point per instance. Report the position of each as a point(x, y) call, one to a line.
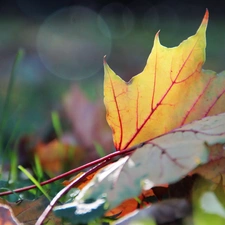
point(66, 189)
point(110, 156)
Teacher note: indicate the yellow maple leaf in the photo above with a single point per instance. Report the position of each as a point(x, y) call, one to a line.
point(172, 90)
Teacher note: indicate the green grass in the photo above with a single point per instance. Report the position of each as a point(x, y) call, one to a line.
point(31, 177)
point(56, 124)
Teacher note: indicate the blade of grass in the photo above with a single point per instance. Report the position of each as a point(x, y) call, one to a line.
point(30, 176)
point(38, 168)
point(110, 156)
point(13, 175)
point(12, 136)
point(12, 154)
point(56, 124)
point(99, 149)
point(18, 59)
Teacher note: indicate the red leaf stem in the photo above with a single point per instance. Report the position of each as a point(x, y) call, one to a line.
point(78, 169)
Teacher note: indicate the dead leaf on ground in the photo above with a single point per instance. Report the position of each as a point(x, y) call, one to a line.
point(163, 160)
point(55, 155)
point(155, 111)
point(84, 182)
point(88, 121)
point(214, 169)
point(164, 212)
point(27, 212)
point(7, 217)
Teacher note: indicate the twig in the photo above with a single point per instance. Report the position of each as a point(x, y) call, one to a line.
point(67, 188)
point(97, 161)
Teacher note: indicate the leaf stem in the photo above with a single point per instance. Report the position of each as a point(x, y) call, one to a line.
point(78, 169)
point(67, 188)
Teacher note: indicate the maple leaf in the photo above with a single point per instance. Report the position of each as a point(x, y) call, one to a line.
point(157, 162)
point(156, 108)
point(171, 91)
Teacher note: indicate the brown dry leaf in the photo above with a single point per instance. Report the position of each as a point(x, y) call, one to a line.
point(27, 212)
point(84, 182)
point(165, 159)
point(214, 169)
point(126, 206)
point(88, 121)
point(55, 155)
point(123, 209)
point(180, 189)
point(132, 204)
point(164, 212)
point(6, 216)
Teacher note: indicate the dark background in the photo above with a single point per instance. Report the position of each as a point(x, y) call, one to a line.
point(34, 9)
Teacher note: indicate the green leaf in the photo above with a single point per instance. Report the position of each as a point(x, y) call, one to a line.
point(210, 210)
point(81, 213)
point(208, 203)
point(143, 222)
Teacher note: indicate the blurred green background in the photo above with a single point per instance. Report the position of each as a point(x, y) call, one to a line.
point(65, 41)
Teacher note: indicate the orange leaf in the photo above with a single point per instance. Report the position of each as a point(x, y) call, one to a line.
point(129, 205)
point(171, 91)
point(123, 209)
point(132, 204)
point(55, 155)
point(84, 182)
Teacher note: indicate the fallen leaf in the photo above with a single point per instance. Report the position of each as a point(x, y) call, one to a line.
point(164, 212)
point(84, 182)
point(27, 212)
point(123, 209)
point(181, 189)
point(56, 154)
point(152, 114)
point(88, 121)
point(6, 216)
point(213, 170)
point(83, 212)
point(172, 90)
point(130, 205)
point(165, 159)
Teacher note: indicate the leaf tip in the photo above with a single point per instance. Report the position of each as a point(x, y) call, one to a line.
point(104, 60)
point(206, 17)
point(157, 37)
point(157, 34)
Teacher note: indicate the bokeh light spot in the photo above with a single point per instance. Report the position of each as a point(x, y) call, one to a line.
point(71, 45)
point(119, 19)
